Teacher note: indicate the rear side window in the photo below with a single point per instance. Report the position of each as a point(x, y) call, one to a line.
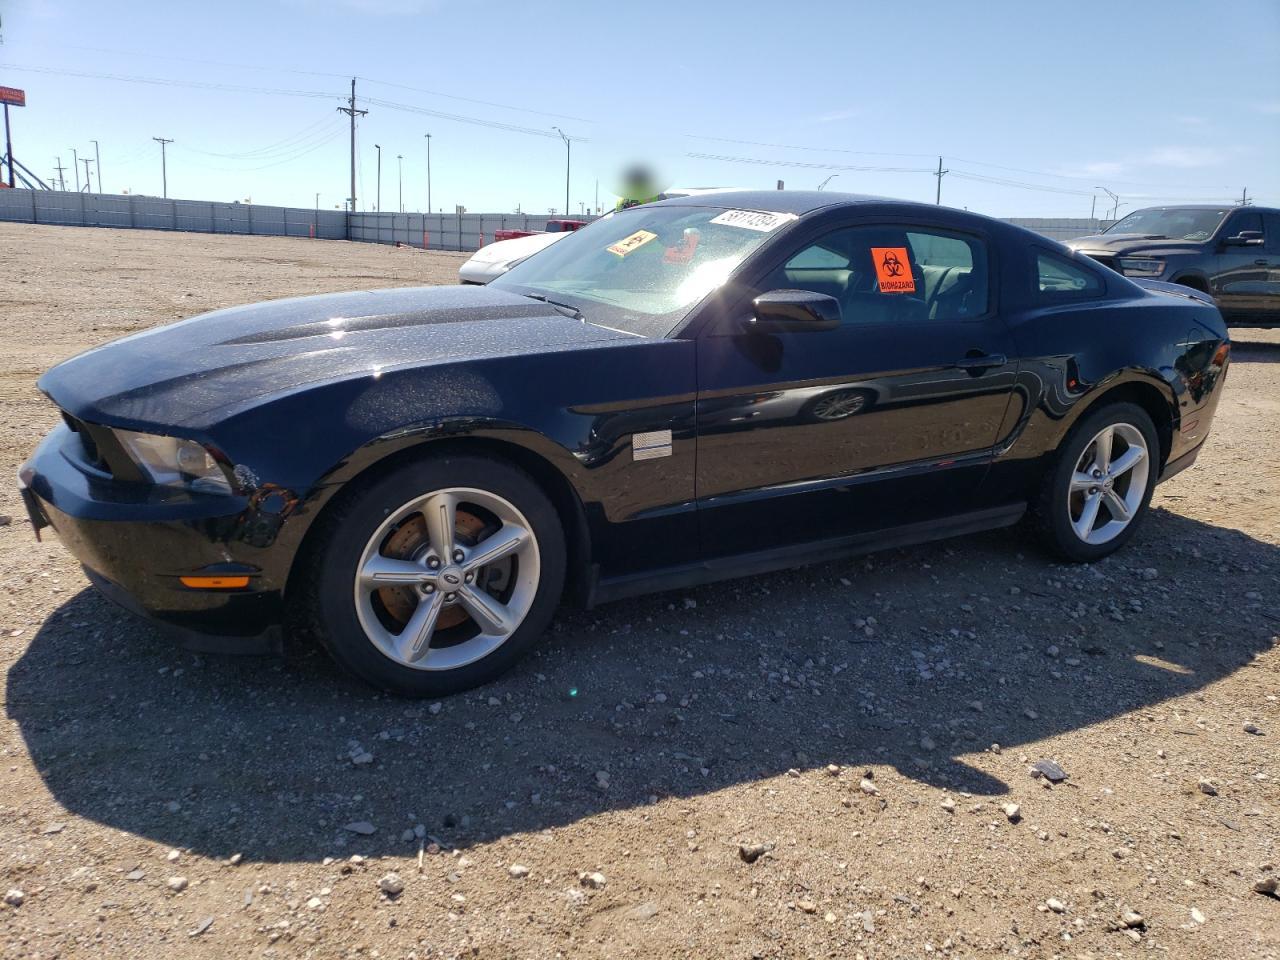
point(1057, 277)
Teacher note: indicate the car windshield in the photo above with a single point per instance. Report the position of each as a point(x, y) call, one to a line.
point(1173, 223)
point(642, 270)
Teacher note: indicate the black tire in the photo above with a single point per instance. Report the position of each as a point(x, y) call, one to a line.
point(325, 607)
point(1049, 514)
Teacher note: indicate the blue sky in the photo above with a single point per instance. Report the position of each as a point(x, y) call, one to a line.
point(1032, 106)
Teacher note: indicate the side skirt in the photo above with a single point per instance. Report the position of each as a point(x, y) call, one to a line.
point(821, 551)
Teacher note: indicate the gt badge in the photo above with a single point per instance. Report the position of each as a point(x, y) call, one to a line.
point(651, 446)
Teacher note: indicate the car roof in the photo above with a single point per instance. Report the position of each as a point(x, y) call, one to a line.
point(798, 202)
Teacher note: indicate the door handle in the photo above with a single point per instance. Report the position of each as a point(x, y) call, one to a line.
point(1261, 263)
point(982, 361)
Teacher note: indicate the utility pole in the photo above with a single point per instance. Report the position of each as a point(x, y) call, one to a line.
point(428, 136)
point(164, 168)
point(75, 165)
point(378, 203)
point(1115, 201)
point(597, 206)
point(351, 112)
point(1093, 205)
point(88, 182)
point(400, 178)
point(567, 145)
point(97, 162)
point(1244, 197)
point(937, 199)
point(62, 180)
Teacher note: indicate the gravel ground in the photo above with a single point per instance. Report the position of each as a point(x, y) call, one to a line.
point(857, 730)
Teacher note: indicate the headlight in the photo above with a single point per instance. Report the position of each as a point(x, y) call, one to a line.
point(172, 462)
point(1140, 266)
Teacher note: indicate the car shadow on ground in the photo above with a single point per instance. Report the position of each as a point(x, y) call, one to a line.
point(920, 659)
point(1254, 351)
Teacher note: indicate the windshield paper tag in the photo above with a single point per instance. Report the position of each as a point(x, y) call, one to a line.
point(893, 269)
point(633, 242)
point(753, 219)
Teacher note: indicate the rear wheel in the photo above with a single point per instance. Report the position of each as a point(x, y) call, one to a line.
point(438, 576)
point(1097, 494)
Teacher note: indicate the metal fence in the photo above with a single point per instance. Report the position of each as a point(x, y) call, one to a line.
point(65, 208)
point(435, 231)
point(444, 231)
point(1061, 228)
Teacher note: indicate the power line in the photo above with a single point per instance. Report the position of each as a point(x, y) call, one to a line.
point(463, 118)
point(296, 155)
point(792, 146)
point(483, 103)
point(285, 145)
point(165, 82)
point(805, 165)
point(321, 73)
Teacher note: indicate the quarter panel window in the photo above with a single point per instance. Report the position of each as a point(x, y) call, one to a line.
point(1057, 277)
point(889, 274)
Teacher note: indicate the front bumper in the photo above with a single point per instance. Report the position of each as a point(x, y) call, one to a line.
point(136, 542)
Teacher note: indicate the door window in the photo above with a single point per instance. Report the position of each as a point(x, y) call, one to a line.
point(1242, 221)
point(888, 274)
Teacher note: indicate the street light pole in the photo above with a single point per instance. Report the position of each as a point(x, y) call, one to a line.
point(97, 162)
point(400, 177)
point(826, 181)
point(378, 203)
point(567, 145)
point(428, 136)
point(75, 165)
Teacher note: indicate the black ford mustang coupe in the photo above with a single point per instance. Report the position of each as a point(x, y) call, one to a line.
point(690, 390)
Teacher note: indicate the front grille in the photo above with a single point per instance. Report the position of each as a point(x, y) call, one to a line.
point(92, 455)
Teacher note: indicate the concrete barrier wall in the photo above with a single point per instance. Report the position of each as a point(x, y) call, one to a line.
point(435, 231)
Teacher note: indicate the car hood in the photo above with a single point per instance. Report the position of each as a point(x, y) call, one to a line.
point(178, 375)
point(1119, 244)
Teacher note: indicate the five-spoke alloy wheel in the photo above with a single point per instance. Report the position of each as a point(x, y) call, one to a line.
point(1098, 491)
point(437, 576)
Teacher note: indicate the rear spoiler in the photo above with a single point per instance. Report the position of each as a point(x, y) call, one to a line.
point(1175, 289)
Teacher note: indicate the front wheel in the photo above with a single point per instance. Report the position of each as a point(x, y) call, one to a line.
point(437, 576)
point(1098, 491)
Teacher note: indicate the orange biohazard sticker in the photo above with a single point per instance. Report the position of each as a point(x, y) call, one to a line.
point(893, 269)
point(633, 242)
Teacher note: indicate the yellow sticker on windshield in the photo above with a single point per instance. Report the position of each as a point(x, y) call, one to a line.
point(633, 242)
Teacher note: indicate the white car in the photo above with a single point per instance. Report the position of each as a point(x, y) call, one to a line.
point(496, 259)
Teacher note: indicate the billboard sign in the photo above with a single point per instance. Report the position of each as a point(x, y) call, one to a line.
point(12, 96)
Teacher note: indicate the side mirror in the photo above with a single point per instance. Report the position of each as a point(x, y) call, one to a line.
point(798, 310)
point(1245, 238)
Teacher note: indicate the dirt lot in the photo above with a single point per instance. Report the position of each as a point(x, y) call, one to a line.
point(158, 804)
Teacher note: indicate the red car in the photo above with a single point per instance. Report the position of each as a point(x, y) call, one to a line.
point(553, 226)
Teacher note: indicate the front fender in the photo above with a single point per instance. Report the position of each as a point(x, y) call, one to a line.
point(574, 411)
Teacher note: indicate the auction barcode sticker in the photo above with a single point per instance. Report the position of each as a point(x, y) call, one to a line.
point(754, 219)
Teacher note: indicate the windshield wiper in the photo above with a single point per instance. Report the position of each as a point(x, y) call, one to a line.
point(572, 312)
